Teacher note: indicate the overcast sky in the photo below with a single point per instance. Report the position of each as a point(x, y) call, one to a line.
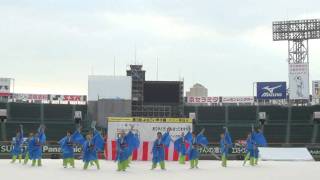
point(51, 46)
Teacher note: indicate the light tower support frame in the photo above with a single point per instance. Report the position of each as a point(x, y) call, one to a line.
point(298, 51)
point(297, 33)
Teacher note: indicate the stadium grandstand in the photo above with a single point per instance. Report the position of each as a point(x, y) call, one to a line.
point(285, 123)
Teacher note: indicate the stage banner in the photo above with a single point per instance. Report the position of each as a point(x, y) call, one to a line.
point(238, 100)
point(5, 86)
point(316, 89)
point(203, 100)
point(271, 90)
point(299, 81)
point(146, 129)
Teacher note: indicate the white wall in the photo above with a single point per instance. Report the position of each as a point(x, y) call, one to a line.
point(109, 87)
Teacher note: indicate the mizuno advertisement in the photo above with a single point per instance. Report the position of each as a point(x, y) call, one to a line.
point(271, 90)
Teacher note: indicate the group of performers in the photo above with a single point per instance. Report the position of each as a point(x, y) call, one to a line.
point(33, 143)
point(255, 139)
point(194, 141)
point(127, 143)
point(187, 145)
point(91, 145)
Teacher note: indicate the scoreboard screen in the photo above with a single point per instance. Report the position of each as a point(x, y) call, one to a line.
point(162, 92)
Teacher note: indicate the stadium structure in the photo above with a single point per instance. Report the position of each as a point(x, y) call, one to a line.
point(287, 120)
point(284, 125)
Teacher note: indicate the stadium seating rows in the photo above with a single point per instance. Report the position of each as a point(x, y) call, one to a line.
point(58, 118)
point(284, 125)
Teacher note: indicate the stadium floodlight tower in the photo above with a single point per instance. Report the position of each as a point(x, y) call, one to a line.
point(297, 33)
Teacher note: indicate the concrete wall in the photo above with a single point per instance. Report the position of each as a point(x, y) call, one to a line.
point(103, 108)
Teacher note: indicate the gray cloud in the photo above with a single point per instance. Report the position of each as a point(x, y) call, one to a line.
point(226, 45)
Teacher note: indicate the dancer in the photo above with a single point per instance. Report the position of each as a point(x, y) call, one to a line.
point(195, 142)
point(94, 143)
point(259, 141)
point(250, 150)
point(27, 151)
point(17, 143)
point(162, 141)
point(225, 144)
point(67, 143)
point(126, 144)
point(134, 147)
point(180, 147)
point(36, 143)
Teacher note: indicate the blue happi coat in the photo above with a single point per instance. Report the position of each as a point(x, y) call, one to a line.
point(126, 145)
point(195, 143)
point(134, 143)
point(29, 146)
point(259, 141)
point(225, 143)
point(67, 143)
point(180, 145)
point(36, 145)
point(250, 145)
point(158, 148)
point(90, 148)
point(98, 140)
point(17, 143)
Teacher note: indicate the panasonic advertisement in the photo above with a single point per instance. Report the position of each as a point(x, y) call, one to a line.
point(271, 90)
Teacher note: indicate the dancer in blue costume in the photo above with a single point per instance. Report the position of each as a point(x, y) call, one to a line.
point(91, 146)
point(225, 145)
point(180, 147)
point(126, 144)
point(17, 143)
point(27, 151)
point(195, 142)
point(259, 141)
point(134, 147)
point(67, 144)
point(158, 149)
point(250, 150)
point(36, 143)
